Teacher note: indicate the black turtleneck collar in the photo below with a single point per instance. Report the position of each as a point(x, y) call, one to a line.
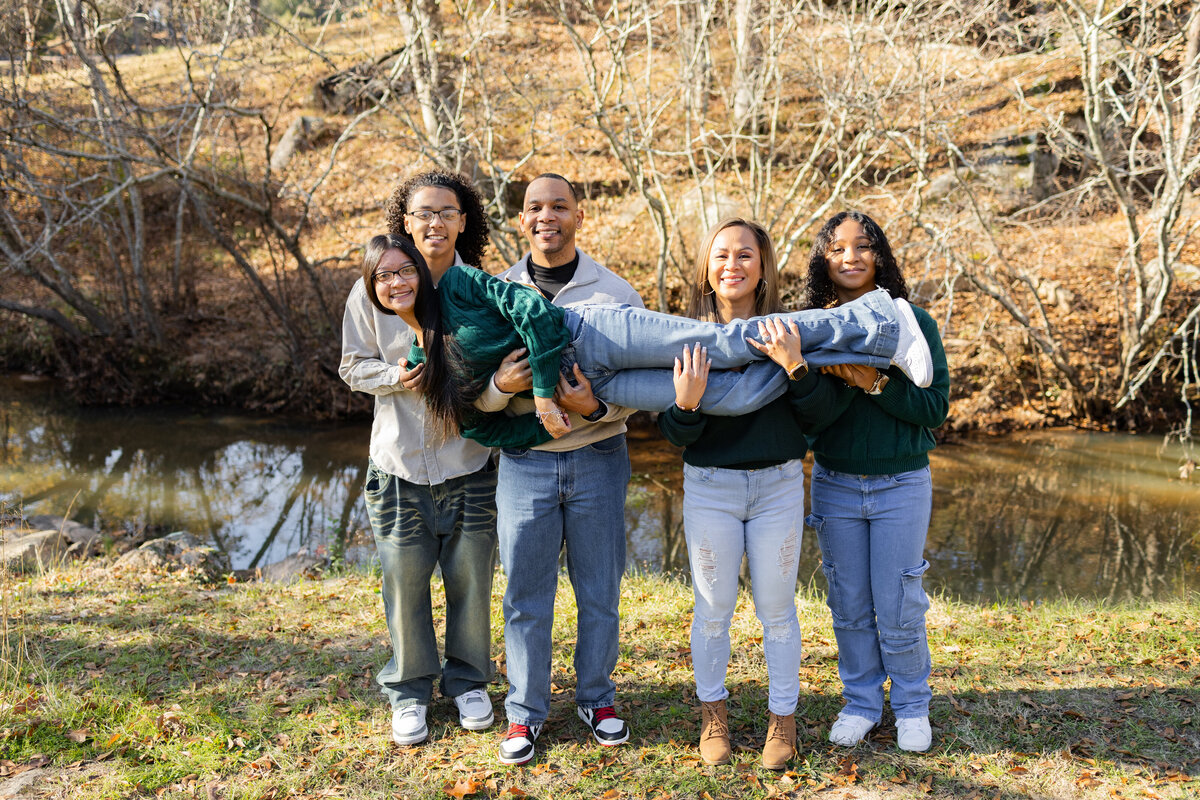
point(551, 280)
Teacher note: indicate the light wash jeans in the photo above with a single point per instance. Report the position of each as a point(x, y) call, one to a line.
point(627, 352)
point(547, 501)
point(872, 533)
point(759, 512)
point(451, 524)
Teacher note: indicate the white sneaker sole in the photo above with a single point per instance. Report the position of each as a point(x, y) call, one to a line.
point(917, 361)
point(477, 723)
point(407, 741)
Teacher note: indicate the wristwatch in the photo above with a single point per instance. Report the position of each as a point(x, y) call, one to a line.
point(881, 380)
point(797, 371)
point(598, 414)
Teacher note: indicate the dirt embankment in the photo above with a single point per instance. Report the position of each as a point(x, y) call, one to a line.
point(216, 275)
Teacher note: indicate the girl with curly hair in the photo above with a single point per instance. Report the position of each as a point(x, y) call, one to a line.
point(872, 497)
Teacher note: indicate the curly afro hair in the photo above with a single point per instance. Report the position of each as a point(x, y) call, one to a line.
point(473, 240)
point(820, 289)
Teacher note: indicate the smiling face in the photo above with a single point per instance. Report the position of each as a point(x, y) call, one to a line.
point(436, 237)
point(734, 271)
point(549, 221)
point(851, 261)
point(399, 294)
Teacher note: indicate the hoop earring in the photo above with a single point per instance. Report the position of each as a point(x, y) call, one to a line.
point(761, 289)
point(707, 290)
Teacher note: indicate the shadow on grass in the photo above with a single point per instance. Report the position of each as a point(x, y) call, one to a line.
point(255, 679)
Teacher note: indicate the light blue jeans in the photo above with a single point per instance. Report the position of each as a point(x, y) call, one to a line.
point(547, 501)
point(418, 527)
point(627, 352)
point(872, 529)
point(759, 512)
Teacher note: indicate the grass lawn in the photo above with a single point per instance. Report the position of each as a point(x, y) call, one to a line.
point(151, 685)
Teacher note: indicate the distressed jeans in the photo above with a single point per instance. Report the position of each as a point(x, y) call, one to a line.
point(548, 501)
point(627, 352)
point(418, 527)
point(872, 529)
point(759, 512)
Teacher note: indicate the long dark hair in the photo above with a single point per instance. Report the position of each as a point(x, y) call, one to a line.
point(471, 243)
point(449, 393)
point(820, 290)
point(703, 304)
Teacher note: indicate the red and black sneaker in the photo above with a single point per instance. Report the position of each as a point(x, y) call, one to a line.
point(607, 727)
point(517, 747)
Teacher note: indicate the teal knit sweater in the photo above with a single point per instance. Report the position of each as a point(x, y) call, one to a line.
point(489, 318)
point(890, 432)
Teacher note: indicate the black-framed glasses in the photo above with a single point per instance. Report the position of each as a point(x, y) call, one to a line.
point(448, 215)
point(389, 275)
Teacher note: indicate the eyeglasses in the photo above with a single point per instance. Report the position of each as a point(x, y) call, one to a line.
point(448, 215)
point(389, 275)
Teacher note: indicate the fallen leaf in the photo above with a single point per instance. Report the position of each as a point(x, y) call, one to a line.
point(461, 788)
point(78, 737)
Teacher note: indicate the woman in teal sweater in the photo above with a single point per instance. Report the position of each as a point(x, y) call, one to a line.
point(743, 490)
point(872, 497)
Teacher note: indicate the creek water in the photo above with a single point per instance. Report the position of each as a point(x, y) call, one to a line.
point(1027, 516)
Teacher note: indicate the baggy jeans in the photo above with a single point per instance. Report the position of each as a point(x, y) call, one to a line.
point(416, 527)
point(626, 352)
point(872, 530)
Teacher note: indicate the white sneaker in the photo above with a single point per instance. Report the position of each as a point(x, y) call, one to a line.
point(850, 729)
point(913, 734)
point(474, 710)
point(912, 351)
point(408, 725)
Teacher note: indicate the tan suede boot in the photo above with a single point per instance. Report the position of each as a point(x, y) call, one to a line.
point(714, 733)
point(781, 741)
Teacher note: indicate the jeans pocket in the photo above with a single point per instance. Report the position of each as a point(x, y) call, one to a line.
point(790, 470)
point(514, 452)
point(913, 600)
point(819, 473)
point(833, 597)
point(916, 477)
point(607, 446)
point(377, 481)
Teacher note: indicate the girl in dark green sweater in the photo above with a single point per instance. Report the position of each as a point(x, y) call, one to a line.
point(872, 496)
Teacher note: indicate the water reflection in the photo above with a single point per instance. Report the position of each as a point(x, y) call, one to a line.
point(1027, 516)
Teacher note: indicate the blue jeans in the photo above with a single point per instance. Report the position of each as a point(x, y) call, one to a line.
point(627, 352)
point(451, 524)
point(547, 500)
point(728, 512)
point(872, 534)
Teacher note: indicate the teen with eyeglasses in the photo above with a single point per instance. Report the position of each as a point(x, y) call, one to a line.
point(430, 494)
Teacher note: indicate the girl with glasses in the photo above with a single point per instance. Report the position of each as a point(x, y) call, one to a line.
point(430, 494)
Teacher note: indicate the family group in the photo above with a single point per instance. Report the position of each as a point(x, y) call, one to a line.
point(500, 409)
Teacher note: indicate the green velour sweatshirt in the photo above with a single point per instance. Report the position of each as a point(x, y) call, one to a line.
point(890, 432)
